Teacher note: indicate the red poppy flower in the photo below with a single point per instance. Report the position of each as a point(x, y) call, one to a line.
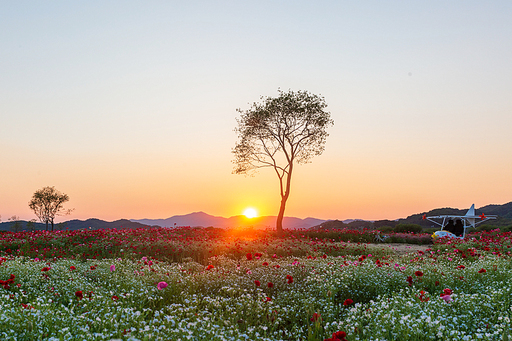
point(315, 317)
point(418, 273)
point(447, 291)
point(248, 256)
point(72, 268)
point(79, 294)
point(45, 269)
point(115, 298)
point(258, 283)
point(482, 270)
point(209, 267)
point(93, 267)
point(289, 279)
point(265, 264)
point(270, 284)
point(348, 301)
point(338, 336)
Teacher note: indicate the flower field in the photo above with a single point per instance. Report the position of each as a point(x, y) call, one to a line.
point(210, 284)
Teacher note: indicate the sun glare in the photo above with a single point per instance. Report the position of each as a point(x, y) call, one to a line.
point(250, 213)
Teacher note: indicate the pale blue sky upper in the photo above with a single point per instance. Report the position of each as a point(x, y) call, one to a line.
point(136, 100)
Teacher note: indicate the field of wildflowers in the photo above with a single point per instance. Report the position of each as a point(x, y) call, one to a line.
point(210, 284)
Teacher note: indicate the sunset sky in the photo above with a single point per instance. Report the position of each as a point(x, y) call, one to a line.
point(129, 107)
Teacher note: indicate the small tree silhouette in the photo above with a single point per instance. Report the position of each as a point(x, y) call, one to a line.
point(47, 203)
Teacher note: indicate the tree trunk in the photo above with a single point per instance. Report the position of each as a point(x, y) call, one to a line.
point(280, 216)
point(284, 199)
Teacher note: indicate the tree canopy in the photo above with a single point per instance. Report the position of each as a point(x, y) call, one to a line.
point(47, 203)
point(279, 132)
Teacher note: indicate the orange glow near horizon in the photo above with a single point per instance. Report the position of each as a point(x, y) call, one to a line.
point(250, 212)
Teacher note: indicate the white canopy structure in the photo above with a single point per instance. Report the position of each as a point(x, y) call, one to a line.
point(468, 220)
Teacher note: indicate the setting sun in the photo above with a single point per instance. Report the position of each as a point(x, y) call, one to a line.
point(250, 213)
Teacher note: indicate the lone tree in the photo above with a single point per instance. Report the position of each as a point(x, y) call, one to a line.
point(47, 203)
point(279, 132)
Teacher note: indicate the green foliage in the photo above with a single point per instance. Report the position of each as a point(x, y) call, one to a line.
point(408, 228)
point(506, 228)
point(486, 227)
point(385, 229)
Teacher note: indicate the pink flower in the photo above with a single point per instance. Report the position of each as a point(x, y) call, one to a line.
point(446, 295)
point(161, 285)
point(446, 298)
point(112, 268)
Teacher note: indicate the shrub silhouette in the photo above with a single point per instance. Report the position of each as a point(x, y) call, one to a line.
point(404, 228)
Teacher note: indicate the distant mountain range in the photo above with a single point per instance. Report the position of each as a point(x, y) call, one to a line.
point(92, 224)
point(197, 219)
point(201, 219)
point(205, 220)
point(504, 213)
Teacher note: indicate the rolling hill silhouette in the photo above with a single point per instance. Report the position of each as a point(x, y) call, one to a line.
point(201, 219)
